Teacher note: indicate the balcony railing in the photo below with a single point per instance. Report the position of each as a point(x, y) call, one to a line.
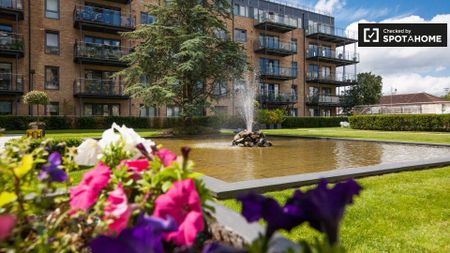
point(11, 45)
point(12, 4)
point(120, 1)
point(100, 54)
point(320, 99)
point(332, 34)
point(278, 73)
point(11, 84)
point(275, 22)
point(100, 19)
point(331, 56)
point(99, 88)
point(275, 47)
point(332, 78)
point(277, 98)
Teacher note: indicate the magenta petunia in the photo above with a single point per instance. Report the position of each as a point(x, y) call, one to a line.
point(86, 192)
point(7, 223)
point(137, 166)
point(166, 156)
point(117, 210)
point(182, 203)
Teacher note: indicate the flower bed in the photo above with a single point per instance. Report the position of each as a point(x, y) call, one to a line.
point(139, 197)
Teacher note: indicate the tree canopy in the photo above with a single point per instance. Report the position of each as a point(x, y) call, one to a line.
point(180, 58)
point(367, 91)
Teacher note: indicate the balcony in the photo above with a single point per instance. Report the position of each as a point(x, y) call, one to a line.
point(328, 33)
point(275, 47)
point(102, 20)
point(11, 84)
point(279, 98)
point(323, 100)
point(11, 45)
point(99, 54)
point(11, 9)
point(335, 79)
point(281, 74)
point(270, 21)
point(98, 88)
point(323, 54)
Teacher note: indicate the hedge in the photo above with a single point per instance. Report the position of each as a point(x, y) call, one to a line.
point(403, 122)
point(56, 122)
point(311, 122)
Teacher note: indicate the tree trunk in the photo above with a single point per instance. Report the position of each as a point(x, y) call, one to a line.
point(37, 116)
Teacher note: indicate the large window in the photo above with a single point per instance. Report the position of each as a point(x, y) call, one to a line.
point(173, 111)
point(147, 19)
point(148, 111)
point(52, 109)
point(5, 107)
point(52, 9)
point(240, 35)
point(101, 109)
point(51, 42)
point(5, 76)
point(220, 89)
point(240, 10)
point(51, 78)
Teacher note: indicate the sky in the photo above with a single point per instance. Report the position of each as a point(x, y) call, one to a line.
point(407, 70)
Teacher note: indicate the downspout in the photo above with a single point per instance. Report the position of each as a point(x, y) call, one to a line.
point(30, 78)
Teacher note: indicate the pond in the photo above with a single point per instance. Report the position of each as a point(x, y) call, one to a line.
point(216, 157)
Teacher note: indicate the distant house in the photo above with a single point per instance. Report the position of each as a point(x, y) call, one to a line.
point(415, 103)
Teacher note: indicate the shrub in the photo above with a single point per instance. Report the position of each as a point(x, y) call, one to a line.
point(403, 122)
point(311, 122)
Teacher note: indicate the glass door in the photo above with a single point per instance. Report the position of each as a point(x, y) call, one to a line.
point(5, 76)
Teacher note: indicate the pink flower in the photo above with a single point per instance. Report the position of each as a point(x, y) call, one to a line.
point(137, 166)
point(166, 156)
point(183, 204)
point(7, 223)
point(118, 210)
point(85, 194)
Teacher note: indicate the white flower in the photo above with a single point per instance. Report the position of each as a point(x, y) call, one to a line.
point(88, 153)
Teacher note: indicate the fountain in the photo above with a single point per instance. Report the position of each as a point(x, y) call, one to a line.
point(246, 103)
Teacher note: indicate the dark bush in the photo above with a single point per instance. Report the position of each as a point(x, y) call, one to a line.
point(403, 122)
point(311, 122)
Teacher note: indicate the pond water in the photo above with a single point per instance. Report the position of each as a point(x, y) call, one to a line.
point(216, 157)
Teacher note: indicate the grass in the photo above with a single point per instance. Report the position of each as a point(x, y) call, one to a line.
point(88, 133)
point(336, 132)
point(404, 212)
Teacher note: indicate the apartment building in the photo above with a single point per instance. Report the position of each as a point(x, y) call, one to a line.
point(71, 48)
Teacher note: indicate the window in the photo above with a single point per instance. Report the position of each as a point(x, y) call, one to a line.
point(293, 112)
point(52, 109)
point(52, 9)
point(294, 67)
point(325, 72)
point(148, 111)
point(294, 91)
point(52, 42)
point(5, 107)
point(101, 110)
point(326, 91)
point(220, 89)
point(5, 76)
point(239, 85)
point(147, 19)
point(221, 34)
point(51, 78)
point(294, 45)
point(240, 10)
point(173, 111)
point(240, 35)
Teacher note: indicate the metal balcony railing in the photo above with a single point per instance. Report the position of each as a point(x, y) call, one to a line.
point(331, 30)
point(340, 79)
point(100, 53)
point(278, 73)
point(272, 97)
point(12, 4)
point(273, 45)
point(320, 99)
point(331, 54)
point(103, 16)
point(11, 42)
point(98, 88)
point(11, 83)
point(271, 17)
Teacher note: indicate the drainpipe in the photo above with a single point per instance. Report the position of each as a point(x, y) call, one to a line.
point(30, 78)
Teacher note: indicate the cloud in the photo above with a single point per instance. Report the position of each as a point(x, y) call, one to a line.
point(330, 6)
point(408, 69)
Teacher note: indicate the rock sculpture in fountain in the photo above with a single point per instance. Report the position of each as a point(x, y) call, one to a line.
point(251, 139)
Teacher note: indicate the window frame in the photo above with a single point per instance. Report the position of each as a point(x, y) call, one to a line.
point(58, 12)
point(240, 31)
point(47, 110)
point(143, 13)
point(46, 41)
point(11, 106)
point(45, 77)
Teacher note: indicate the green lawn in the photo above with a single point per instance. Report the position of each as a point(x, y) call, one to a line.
point(431, 137)
point(404, 212)
point(88, 133)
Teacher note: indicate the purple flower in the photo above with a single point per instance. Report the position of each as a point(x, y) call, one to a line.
point(145, 237)
point(323, 208)
point(219, 248)
point(51, 172)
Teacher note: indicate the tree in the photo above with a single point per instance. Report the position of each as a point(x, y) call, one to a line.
point(367, 91)
point(37, 98)
point(179, 59)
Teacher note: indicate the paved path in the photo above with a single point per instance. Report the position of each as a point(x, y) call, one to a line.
point(6, 138)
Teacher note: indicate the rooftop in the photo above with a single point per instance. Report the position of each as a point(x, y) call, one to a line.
point(412, 98)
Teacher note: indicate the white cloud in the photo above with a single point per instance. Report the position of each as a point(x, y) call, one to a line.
point(330, 6)
point(408, 69)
